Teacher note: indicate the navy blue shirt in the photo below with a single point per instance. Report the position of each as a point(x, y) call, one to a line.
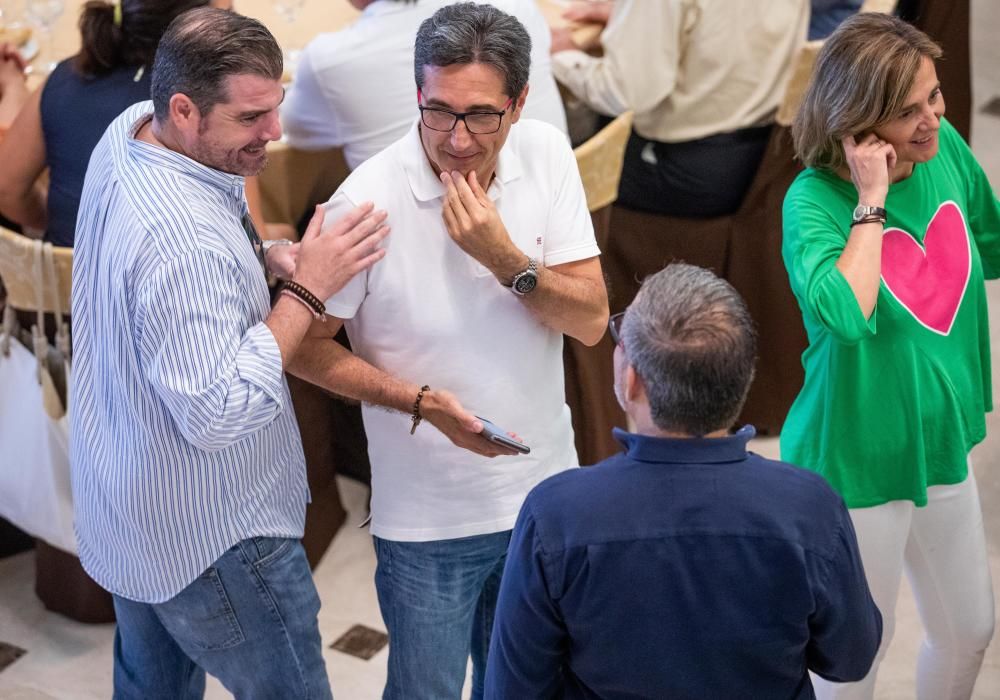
point(75, 112)
point(826, 15)
point(683, 568)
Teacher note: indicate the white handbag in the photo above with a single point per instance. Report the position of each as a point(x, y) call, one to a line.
point(35, 491)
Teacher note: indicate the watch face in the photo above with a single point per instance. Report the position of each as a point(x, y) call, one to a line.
point(525, 283)
point(859, 212)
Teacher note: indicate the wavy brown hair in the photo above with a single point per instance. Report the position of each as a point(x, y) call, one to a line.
point(861, 80)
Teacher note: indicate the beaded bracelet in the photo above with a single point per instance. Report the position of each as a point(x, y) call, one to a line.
point(292, 295)
point(415, 416)
point(304, 295)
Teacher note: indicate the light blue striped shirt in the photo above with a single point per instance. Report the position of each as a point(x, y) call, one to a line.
point(183, 437)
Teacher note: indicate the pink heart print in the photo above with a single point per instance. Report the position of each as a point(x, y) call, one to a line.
point(930, 280)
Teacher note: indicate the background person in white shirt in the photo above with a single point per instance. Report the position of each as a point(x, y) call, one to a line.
point(189, 482)
point(491, 260)
point(354, 88)
point(704, 78)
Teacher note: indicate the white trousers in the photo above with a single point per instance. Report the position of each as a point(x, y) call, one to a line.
point(942, 549)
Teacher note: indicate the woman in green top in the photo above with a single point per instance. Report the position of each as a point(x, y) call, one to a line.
point(888, 236)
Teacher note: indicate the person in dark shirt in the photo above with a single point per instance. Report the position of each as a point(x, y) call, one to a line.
point(63, 120)
point(685, 566)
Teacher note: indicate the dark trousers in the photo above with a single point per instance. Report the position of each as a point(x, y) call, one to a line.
point(692, 179)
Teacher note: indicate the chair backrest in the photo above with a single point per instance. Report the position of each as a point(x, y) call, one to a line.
point(805, 59)
point(600, 161)
point(17, 270)
point(802, 69)
point(886, 6)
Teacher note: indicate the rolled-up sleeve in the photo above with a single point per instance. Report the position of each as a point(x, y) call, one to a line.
point(220, 379)
point(813, 242)
point(642, 52)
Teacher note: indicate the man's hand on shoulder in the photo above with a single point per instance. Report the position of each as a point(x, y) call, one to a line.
point(474, 223)
point(327, 260)
point(442, 410)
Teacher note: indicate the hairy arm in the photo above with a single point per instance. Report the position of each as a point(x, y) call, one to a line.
point(323, 361)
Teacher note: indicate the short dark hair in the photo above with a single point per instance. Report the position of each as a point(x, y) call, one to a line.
point(691, 340)
point(468, 32)
point(106, 45)
point(202, 48)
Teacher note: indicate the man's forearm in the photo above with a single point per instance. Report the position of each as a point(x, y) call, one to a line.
point(576, 306)
point(326, 363)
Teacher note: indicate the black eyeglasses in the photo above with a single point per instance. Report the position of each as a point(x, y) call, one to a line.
point(615, 327)
point(478, 122)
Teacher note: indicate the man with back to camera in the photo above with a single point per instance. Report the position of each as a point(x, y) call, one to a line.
point(491, 260)
point(188, 475)
point(686, 566)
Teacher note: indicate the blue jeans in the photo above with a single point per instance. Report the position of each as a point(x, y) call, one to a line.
point(437, 601)
point(249, 620)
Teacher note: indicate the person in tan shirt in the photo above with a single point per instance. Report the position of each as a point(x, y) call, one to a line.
point(704, 78)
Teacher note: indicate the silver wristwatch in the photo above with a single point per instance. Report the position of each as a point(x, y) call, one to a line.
point(270, 243)
point(862, 212)
point(524, 282)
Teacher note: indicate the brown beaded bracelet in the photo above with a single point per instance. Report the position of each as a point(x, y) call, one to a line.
point(416, 417)
point(314, 302)
point(292, 295)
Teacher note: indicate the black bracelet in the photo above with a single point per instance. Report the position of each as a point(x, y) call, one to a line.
point(870, 219)
point(415, 416)
point(305, 295)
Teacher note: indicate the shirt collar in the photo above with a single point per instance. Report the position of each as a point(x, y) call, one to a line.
point(425, 184)
point(644, 448)
point(147, 153)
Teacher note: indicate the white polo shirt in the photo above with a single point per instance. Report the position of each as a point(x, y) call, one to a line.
point(355, 87)
point(430, 314)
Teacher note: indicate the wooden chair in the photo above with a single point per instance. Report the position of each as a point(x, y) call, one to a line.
point(60, 581)
point(16, 265)
point(19, 256)
point(588, 371)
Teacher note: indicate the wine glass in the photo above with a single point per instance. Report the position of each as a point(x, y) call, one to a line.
point(44, 13)
point(289, 11)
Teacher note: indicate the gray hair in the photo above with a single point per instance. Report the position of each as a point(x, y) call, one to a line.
point(468, 32)
point(691, 340)
point(203, 47)
point(863, 75)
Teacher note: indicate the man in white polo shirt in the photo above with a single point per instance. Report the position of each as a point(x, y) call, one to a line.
point(353, 88)
point(491, 261)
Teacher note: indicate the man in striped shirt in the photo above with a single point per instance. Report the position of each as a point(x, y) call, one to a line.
point(188, 473)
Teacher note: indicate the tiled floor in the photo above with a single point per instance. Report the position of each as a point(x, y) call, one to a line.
point(73, 661)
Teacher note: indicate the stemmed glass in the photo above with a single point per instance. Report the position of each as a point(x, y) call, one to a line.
point(44, 14)
point(289, 11)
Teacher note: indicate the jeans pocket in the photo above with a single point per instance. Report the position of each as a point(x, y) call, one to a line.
point(269, 549)
point(201, 615)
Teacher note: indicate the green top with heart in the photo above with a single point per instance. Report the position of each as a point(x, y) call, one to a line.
point(892, 404)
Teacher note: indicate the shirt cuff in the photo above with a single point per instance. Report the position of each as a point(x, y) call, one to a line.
point(259, 363)
point(841, 312)
point(567, 66)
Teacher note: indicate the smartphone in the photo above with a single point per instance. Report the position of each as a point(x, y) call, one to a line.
point(495, 433)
